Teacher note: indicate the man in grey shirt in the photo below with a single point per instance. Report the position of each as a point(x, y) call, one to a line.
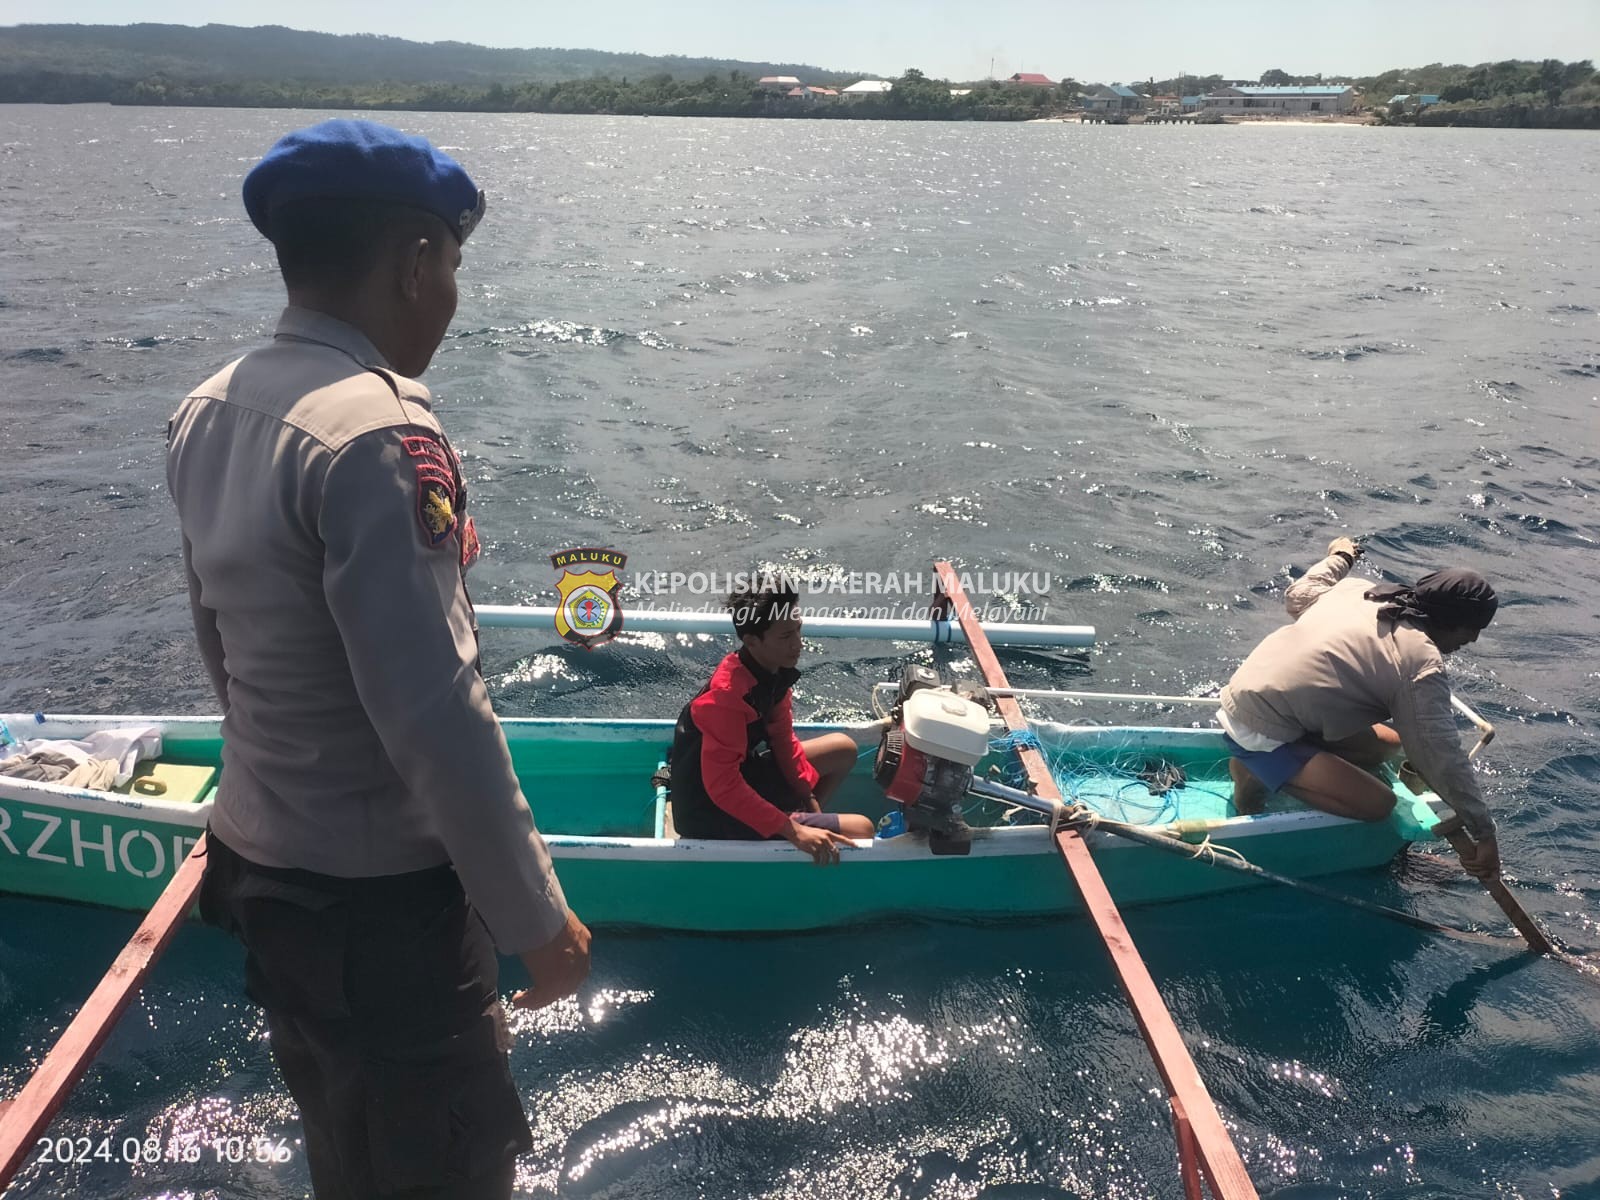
point(1305, 712)
point(370, 843)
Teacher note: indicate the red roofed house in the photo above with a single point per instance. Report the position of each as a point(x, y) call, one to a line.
point(809, 94)
point(1023, 79)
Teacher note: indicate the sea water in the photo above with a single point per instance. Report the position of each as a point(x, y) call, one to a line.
point(1162, 365)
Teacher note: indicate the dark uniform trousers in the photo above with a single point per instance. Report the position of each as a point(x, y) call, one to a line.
point(382, 1002)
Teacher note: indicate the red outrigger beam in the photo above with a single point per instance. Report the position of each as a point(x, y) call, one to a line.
point(1205, 1150)
point(25, 1117)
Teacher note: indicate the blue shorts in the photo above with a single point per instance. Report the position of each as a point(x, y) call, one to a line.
point(828, 821)
point(1274, 768)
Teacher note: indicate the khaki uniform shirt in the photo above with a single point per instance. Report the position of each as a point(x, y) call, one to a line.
point(1340, 669)
point(324, 545)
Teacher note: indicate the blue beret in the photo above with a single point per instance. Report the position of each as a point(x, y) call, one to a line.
point(362, 160)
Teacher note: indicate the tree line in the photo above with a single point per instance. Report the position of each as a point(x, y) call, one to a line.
point(1513, 94)
point(274, 67)
point(914, 96)
point(223, 53)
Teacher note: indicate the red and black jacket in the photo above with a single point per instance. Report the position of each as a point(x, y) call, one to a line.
point(743, 708)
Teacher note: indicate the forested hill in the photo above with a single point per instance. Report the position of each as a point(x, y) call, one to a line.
point(89, 62)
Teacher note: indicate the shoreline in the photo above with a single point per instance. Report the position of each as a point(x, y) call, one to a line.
point(1358, 120)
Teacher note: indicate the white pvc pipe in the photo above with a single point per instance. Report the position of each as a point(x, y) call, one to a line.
point(505, 616)
point(1485, 729)
point(1466, 711)
point(1046, 693)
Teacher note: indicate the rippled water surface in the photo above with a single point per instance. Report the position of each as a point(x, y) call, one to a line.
point(1163, 365)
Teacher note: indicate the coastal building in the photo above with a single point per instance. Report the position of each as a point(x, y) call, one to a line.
point(1412, 100)
point(1279, 101)
point(1165, 104)
point(778, 83)
point(867, 87)
point(811, 94)
point(1023, 79)
point(1113, 99)
point(1189, 104)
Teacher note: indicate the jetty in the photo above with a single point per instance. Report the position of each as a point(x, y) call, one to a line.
point(1098, 117)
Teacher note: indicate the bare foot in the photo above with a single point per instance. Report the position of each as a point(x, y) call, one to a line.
point(1249, 796)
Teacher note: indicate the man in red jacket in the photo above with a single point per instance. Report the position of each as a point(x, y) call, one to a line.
point(738, 771)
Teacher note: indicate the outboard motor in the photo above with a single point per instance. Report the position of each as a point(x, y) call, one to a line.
point(934, 739)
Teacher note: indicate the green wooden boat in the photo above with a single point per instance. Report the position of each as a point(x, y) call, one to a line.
point(609, 829)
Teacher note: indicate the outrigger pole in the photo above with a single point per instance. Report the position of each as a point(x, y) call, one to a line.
point(1205, 1151)
point(645, 620)
point(1485, 730)
point(25, 1117)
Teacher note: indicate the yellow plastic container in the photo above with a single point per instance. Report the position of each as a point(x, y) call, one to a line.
point(169, 781)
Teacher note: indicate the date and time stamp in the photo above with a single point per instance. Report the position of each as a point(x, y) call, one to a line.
point(131, 1151)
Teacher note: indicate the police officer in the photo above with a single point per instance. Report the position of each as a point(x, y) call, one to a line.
point(369, 843)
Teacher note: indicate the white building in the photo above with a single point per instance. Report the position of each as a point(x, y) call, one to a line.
point(867, 87)
point(1267, 101)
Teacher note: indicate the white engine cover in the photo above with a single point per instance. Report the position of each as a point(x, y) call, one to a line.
point(944, 725)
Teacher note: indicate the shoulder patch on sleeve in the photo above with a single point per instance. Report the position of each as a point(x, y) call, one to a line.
point(436, 488)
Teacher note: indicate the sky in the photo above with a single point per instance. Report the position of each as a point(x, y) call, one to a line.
point(952, 39)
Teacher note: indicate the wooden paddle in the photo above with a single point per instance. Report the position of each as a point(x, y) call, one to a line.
point(24, 1118)
point(1454, 831)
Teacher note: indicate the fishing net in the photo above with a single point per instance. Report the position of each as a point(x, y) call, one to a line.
point(1127, 781)
point(1118, 773)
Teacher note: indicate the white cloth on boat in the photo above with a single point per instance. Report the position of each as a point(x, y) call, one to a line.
point(120, 750)
point(1247, 738)
point(46, 766)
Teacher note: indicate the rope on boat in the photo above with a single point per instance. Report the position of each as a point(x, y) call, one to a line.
point(1122, 777)
point(1081, 816)
point(1208, 851)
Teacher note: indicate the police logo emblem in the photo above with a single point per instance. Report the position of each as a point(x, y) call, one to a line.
point(438, 512)
point(437, 498)
point(590, 609)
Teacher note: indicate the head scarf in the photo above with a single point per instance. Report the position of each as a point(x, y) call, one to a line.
point(1456, 597)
